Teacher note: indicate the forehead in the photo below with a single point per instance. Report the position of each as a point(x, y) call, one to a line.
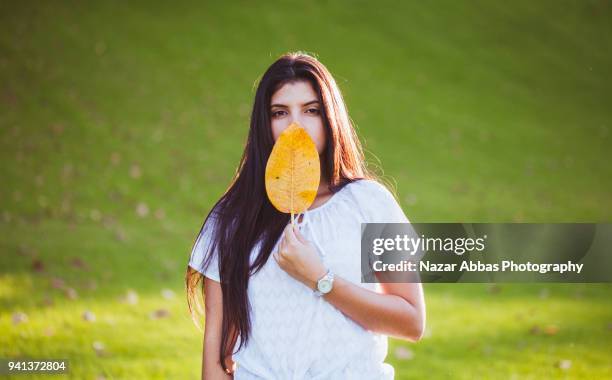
point(294, 93)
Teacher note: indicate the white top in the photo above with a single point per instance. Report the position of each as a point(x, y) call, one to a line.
point(295, 334)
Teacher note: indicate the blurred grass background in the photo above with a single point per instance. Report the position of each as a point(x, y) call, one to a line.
point(121, 123)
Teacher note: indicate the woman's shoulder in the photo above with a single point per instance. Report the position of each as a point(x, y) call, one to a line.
point(376, 201)
point(371, 189)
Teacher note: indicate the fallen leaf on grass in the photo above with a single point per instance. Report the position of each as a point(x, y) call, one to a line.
point(26, 251)
point(167, 294)
point(135, 171)
point(99, 348)
point(115, 158)
point(403, 353)
point(120, 234)
point(160, 214)
point(142, 209)
point(57, 128)
point(47, 301)
point(49, 331)
point(57, 283)
point(19, 317)
point(78, 263)
point(131, 297)
point(564, 364)
point(89, 316)
point(71, 293)
point(108, 221)
point(551, 330)
point(90, 285)
point(159, 313)
point(38, 265)
point(535, 330)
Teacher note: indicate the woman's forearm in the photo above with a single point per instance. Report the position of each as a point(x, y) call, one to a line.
point(211, 367)
point(387, 314)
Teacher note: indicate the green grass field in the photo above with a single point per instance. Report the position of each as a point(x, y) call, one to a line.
point(121, 124)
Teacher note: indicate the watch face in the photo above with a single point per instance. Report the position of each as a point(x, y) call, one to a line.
point(324, 286)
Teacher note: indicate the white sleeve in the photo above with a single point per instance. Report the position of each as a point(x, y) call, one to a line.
point(202, 250)
point(385, 209)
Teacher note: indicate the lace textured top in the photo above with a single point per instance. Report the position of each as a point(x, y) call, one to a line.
point(295, 334)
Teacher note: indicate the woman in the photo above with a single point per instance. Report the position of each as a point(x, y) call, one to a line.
point(302, 313)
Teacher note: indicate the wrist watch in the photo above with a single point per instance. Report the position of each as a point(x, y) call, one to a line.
point(325, 284)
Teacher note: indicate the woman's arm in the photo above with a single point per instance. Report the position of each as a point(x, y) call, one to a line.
point(213, 305)
point(399, 311)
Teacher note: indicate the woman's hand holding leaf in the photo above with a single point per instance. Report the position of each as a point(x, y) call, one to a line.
point(299, 258)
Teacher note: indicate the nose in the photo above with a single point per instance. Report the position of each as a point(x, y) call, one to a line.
point(296, 118)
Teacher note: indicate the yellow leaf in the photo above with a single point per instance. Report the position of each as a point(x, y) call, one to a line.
point(293, 171)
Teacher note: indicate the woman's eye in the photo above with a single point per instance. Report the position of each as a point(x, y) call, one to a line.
point(313, 110)
point(277, 113)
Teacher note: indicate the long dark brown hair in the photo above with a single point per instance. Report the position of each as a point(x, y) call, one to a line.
point(244, 214)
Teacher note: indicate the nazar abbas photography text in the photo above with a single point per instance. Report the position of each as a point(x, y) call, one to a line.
point(404, 244)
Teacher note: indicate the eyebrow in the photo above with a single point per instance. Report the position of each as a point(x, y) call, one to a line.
point(303, 105)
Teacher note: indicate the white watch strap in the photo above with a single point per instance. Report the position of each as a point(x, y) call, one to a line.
point(329, 275)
